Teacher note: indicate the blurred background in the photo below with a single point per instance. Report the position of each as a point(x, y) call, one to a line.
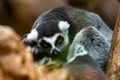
point(21, 14)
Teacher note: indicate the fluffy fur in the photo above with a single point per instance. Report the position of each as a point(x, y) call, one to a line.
point(96, 41)
point(85, 68)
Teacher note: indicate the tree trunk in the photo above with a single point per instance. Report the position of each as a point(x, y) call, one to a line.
point(113, 67)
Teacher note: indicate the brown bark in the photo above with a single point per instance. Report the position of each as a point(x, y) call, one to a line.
point(15, 62)
point(113, 67)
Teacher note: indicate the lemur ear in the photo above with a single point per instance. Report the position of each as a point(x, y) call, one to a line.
point(32, 36)
point(63, 25)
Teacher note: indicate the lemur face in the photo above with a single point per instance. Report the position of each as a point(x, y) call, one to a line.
point(47, 39)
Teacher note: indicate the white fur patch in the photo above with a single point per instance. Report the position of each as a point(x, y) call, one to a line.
point(63, 25)
point(33, 35)
point(84, 53)
point(78, 51)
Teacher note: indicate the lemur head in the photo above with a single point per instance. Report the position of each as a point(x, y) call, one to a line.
point(48, 38)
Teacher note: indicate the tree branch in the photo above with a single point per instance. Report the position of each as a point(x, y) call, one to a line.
point(113, 67)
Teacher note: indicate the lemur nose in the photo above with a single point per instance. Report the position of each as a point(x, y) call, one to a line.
point(54, 51)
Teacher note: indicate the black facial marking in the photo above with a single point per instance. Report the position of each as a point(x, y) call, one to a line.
point(45, 44)
point(42, 52)
point(59, 40)
point(33, 43)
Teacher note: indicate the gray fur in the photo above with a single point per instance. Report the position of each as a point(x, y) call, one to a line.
point(79, 20)
point(95, 43)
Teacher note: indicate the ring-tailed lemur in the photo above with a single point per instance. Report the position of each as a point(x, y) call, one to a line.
point(53, 33)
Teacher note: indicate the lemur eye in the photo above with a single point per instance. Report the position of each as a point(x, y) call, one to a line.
point(45, 44)
point(59, 40)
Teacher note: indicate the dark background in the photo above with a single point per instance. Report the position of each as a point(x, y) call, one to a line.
point(21, 14)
